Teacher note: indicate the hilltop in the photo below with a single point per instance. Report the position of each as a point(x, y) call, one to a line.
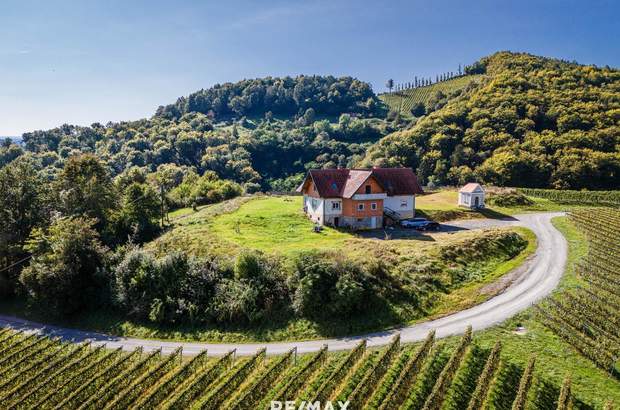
point(516, 120)
point(258, 133)
point(532, 121)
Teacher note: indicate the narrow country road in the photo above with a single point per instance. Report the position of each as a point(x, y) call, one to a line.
point(536, 279)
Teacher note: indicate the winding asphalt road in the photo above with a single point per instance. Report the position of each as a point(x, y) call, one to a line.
point(536, 279)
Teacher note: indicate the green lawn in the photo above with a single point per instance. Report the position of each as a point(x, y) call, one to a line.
point(275, 224)
point(180, 213)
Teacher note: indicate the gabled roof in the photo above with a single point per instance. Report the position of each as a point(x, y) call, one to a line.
point(343, 183)
point(471, 187)
point(356, 179)
point(398, 181)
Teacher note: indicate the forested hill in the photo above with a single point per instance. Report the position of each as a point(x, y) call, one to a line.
point(263, 134)
point(526, 121)
point(326, 95)
point(532, 122)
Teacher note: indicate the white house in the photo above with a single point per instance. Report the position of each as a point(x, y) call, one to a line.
point(471, 196)
point(359, 198)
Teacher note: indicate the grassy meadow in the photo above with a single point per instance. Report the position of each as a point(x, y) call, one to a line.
point(273, 224)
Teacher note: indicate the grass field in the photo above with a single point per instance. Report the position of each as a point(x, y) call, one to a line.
point(275, 224)
point(403, 101)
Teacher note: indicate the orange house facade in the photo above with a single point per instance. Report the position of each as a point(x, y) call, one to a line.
point(359, 198)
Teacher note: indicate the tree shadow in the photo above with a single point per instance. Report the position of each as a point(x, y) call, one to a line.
point(396, 232)
point(493, 214)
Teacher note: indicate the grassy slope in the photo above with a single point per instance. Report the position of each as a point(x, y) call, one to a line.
point(555, 358)
point(402, 101)
point(276, 224)
point(477, 292)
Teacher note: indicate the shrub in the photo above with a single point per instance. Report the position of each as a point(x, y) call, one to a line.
point(148, 288)
point(508, 199)
point(324, 284)
point(257, 288)
point(176, 288)
point(236, 301)
point(172, 289)
point(203, 190)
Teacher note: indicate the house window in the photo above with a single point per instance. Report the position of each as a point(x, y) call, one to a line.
point(335, 205)
point(403, 204)
point(360, 207)
point(368, 190)
point(359, 219)
point(373, 206)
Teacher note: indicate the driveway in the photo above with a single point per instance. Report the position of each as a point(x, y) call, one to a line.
point(536, 280)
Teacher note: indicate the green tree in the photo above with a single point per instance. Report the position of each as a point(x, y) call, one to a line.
point(85, 188)
point(309, 116)
point(418, 109)
point(25, 204)
point(66, 273)
point(138, 215)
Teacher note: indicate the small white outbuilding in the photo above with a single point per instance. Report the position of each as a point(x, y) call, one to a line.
point(471, 196)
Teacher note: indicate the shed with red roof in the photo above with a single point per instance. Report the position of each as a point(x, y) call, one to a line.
point(471, 196)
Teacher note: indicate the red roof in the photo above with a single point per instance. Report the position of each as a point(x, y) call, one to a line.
point(398, 181)
point(470, 187)
point(343, 183)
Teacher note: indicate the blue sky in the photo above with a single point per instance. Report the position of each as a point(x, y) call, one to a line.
point(81, 61)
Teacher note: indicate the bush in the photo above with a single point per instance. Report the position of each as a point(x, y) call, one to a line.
point(176, 288)
point(508, 199)
point(148, 288)
point(172, 289)
point(203, 190)
point(326, 285)
point(236, 301)
point(258, 287)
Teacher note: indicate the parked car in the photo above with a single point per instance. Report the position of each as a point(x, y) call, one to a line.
point(421, 224)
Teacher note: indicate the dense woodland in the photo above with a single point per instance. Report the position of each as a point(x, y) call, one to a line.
point(534, 122)
point(280, 96)
point(77, 202)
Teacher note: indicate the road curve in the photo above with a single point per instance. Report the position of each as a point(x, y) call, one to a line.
point(537, 278)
